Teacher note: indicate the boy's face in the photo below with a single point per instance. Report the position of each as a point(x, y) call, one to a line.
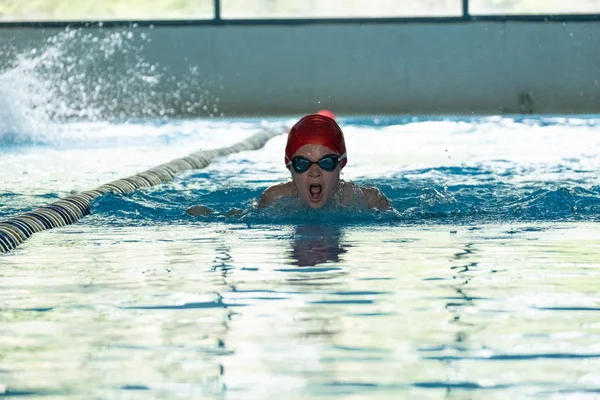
point(316, 186)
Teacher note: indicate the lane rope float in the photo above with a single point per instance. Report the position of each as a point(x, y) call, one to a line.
point(70, 209)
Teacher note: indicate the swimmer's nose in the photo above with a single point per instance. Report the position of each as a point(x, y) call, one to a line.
point(314, 170)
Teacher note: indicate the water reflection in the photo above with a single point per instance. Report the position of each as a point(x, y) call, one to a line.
point(222, 263)
point(465, 264)
point(314, 244)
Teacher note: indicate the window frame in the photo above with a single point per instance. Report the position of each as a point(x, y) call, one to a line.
point(218, 20)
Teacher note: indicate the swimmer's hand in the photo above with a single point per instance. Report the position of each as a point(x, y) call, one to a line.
point(203, 211)
point(199, 210)
point(376, 199)
point(234, 211)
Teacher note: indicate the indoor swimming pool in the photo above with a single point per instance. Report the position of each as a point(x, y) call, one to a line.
point(482, 284)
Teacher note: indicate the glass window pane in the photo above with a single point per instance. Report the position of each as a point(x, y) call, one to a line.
point(513, 7)
point(73, 10)
point(339, 8)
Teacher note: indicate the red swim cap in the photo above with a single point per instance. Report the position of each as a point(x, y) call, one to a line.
point(327, 113)
point(320, 129)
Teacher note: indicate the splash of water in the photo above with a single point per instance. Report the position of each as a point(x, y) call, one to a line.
point(84, 75)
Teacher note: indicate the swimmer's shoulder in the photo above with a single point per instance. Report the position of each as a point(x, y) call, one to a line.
point(274, 193)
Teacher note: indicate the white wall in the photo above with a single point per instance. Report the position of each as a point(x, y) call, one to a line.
point(445, 68)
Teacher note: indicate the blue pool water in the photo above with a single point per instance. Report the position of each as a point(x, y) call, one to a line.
point(482, 285)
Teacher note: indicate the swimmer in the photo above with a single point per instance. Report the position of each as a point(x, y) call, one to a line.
point(315, 154)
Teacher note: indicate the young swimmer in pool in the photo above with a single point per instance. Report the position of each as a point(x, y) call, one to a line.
point(315, 154)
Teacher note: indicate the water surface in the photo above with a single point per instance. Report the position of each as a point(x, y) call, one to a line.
point(483, 285)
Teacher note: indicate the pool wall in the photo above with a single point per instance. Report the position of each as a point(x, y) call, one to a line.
point(477, 67)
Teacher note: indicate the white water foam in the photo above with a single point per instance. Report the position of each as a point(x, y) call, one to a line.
point(64, 79)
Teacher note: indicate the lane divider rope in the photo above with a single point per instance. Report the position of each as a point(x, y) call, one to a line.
point(69, 210)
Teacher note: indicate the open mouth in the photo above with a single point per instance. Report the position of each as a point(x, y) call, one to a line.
point(315, 192)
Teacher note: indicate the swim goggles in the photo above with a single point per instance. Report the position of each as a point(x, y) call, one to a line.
point(327, 163)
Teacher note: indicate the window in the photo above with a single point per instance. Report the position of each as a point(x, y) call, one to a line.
point(339, 8)
point(98, 10)
point(70, 10)
point(512, 7)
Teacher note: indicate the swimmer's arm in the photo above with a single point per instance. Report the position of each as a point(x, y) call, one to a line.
point(376, 199)
point(269, 196)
